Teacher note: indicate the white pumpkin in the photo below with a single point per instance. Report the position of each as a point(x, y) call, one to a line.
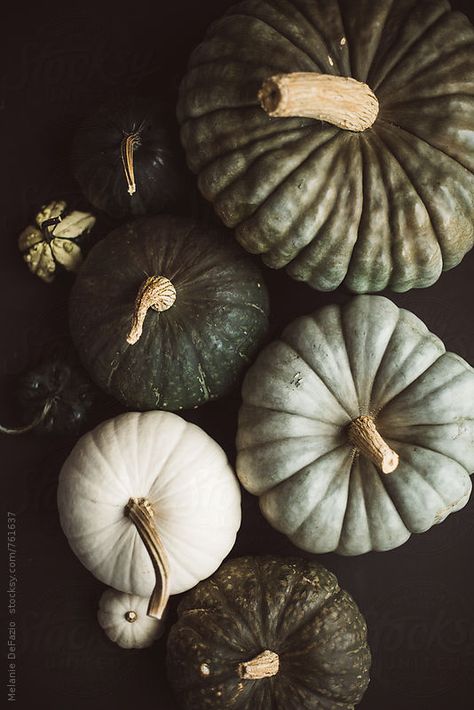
point(124, 619)
point(149, 486)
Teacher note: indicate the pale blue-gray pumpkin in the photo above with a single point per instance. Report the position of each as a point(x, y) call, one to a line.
point(345, 394)
point(312, 188)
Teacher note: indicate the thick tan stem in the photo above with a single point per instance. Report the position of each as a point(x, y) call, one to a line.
point(265, 665)
point(140, 512)
point(366, 439)
point(340, 100)
point(156, 292)
point(127, 146)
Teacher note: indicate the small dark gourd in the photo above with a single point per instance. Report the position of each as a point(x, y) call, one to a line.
point(269, 633)
point(336, 136)
point(54, 396)
point(166, 314)
point(127, 159)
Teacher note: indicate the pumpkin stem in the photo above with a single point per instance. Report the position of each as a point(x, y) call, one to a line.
point(127, 146)
point(140, 512)
point(366, 439)
point(340, 100)
point(156, 292)
point(29, 427)
point(265, 665)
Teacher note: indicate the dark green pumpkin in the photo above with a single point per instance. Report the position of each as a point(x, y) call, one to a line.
point(191, 353)
point(312, 636)
point(100, 167)
point(390, 206)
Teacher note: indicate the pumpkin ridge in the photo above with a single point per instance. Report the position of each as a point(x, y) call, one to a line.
point(355, 479)
point(378, 410)
point(424, 74)
point(316, 30)
point(347, 36)
point(370, 160)
point(115, 476)
point(280, 15)
point(206, 181)
point(275, 491)
point(307, 260)
point(269, 156)
point(323, 694)
point(289, 640)
point(403, 443)
point(263, 133)
point(228, 600)
point(311, 367)
point(419, 274)
point(383, 480)
point(284, 36)
point(334, 484)
point(394, 127)
point(380, 81)
point(370, 403)
point(375, 41)
point(418, 474)
point(432, 392)
point(273, 244)
point(227, 640)
point(282, 185)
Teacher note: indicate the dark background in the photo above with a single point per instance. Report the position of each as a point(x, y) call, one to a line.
point(57, 63)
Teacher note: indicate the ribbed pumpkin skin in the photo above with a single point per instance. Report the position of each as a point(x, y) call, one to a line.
point(290, 606)
point(189, 354)
point(389, 207)
point(328, 368)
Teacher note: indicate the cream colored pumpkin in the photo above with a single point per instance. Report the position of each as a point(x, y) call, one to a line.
point(149, 478)
point(124, 619)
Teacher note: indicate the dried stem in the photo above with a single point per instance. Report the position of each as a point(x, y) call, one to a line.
point(340, 100)
point(127, 146)
point(265, 665)
point(156, 292)
point(366, 439)
point(29, 427)
point(140, 512)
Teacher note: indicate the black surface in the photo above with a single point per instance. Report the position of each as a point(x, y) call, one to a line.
point(57, 62)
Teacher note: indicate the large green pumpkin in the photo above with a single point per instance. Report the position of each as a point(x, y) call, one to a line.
point(267, 633)
point(389, 205)
point(357, 428)
point(166, 314)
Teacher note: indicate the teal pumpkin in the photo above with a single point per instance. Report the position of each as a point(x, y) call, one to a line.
point(357, 429)
point(375, 205)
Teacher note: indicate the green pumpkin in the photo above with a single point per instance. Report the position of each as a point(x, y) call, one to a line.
point(166, 314)
point(269, 633)
point(388, 205)
point(357, 429)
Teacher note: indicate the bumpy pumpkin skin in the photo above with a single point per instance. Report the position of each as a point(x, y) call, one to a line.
point(292, 607)
point(389, 207)
point(189, 354)
point(365, 358)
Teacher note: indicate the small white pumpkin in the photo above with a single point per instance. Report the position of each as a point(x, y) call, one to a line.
point(124, 619)
point(149, 496)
